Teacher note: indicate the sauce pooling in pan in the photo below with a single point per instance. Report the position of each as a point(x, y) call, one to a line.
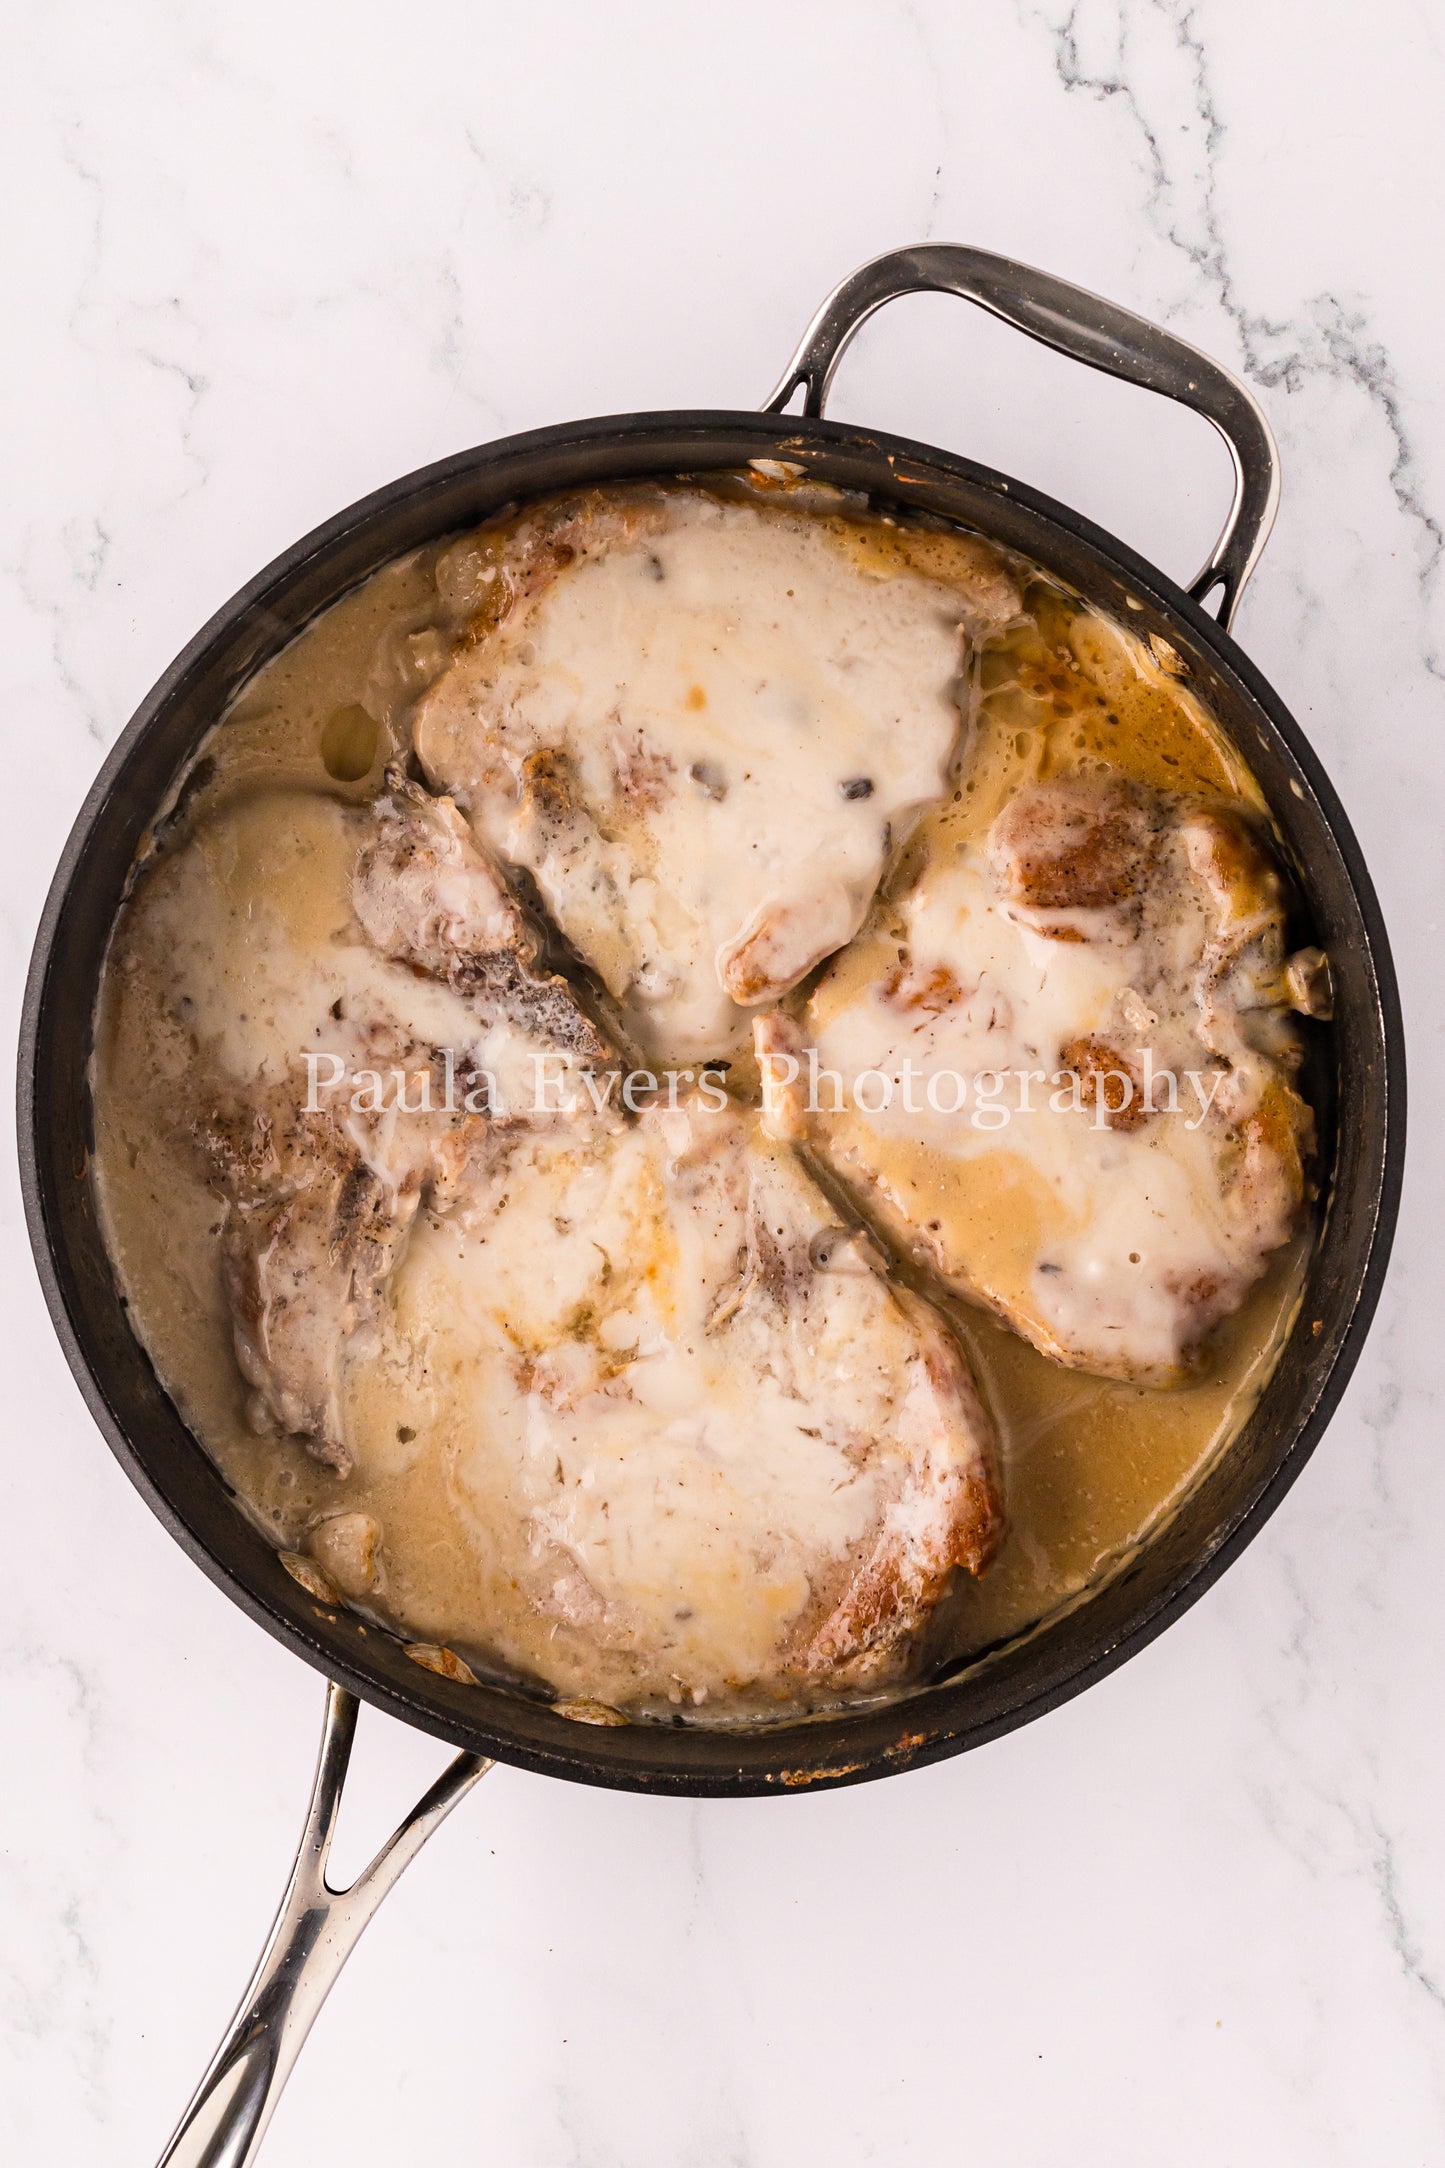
point(606, 1391)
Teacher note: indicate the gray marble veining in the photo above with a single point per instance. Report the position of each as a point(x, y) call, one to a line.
point(260, 261)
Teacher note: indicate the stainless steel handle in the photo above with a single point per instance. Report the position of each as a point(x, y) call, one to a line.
point(315, 1932)
point(1088, 329)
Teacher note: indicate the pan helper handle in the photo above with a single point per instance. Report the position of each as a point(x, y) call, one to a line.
point(315, 1932)
point(1088, 329)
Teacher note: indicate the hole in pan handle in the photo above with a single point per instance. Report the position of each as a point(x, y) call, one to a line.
point(1088, 329)
point(315, 1931)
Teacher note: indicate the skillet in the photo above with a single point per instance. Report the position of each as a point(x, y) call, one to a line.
point(1363, 1088)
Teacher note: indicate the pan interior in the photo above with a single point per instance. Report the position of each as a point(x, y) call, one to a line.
point(976, 1702)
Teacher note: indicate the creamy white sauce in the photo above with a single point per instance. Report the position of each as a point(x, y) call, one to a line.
point(1124, 1222)
point(267, 965)
point(664, 1454)
point(752, 716)
point(453, 1536)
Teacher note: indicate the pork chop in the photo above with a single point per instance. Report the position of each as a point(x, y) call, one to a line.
point(702, 724)
point(694, 1429)
point(1081, 1027)
point(378, 943)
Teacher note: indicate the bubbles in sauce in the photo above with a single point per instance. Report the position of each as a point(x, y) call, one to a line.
point(348, 743)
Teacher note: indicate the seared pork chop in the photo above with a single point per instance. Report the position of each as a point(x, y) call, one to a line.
point(311, 1236)
point(702, 725)
point(692, 1425)
point(1082, 1030)
point(381, 945)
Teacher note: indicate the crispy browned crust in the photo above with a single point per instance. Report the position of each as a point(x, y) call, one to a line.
point(1083, 843)
point(1091, 856)
point(871, 1631)
point(1104, 1075)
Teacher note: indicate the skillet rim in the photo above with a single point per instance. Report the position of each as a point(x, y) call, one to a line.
point(932, 1722)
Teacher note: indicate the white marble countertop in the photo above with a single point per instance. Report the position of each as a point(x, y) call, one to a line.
point(258, 261)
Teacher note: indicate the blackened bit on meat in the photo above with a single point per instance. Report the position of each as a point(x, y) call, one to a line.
point(544, 1006)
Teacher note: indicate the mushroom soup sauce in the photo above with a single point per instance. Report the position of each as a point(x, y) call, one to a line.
point(1089, 1465)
